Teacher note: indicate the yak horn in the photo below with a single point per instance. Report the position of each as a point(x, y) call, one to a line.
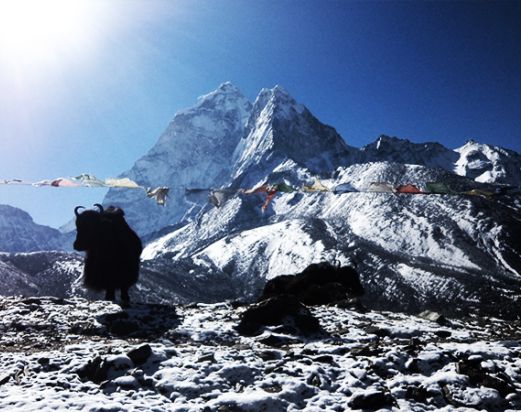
point(76, 210)
point(99, 207)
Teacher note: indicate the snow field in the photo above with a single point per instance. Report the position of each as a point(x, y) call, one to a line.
point(202, 364)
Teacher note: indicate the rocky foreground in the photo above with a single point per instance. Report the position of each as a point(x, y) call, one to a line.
point(85, 355)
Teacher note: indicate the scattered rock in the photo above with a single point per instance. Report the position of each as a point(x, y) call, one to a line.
point(142, 320)
point(269, 355)
point(418, 393)
point(126, 382)
point(95, 370)
point(378, 331)
point(412, 365)
point(443, 333)
point(275, 388)
point(433, 316)
point(480, 377)
point(367, 350)
point(32, 301)
point(278, 341)
point(141, 354)
point(280, 310)
point(87, 329)
point(371, 399)
point(208, 357)
point(43, 361)
point(5, 378)
point(450, 398)
point(325, 359)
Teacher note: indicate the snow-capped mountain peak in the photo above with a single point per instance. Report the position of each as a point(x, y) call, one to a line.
point(457, 244)
point(194, 151)
point(394, 149)
point(481, 162)
point(488, 164)
point(280, 129)
point(278, 102)
point(227, 97)
point(384, 140)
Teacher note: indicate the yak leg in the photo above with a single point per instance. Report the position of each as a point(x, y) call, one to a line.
point(125, 298)
point(110, 295)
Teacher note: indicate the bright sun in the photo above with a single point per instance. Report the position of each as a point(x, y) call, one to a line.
point(43, 31)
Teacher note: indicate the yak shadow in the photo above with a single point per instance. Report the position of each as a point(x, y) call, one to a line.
point(140, 320)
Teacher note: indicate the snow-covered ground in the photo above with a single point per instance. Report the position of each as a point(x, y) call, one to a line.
point(81, 355)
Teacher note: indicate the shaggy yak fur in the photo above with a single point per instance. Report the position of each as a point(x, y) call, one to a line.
point(319, 284)
point(112, 250)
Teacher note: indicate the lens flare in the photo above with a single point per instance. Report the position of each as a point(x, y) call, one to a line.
point(35, 32)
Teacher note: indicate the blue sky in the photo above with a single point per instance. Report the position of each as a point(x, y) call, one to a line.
point(426, 71)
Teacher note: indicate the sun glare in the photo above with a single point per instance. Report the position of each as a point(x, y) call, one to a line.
point(40, 31)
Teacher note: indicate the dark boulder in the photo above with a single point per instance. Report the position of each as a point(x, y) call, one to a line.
point(479, 376)
point(371, 399)
point(279, 310)
point(140, 354)
point(95, 370)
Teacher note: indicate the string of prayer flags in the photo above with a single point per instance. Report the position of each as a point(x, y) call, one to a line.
point(219, 196)
point(270, 194)
point(124, 182)
point(90, 180)
point(11, 182)
point(260, 189)
point(159, 194)
point(59, 182)
point(438, 188)
point(344, 188)
point(408, 188)
point(87, 180)
point(381, 187)
point(317, 186)
point(285, 188)
point(270, 190)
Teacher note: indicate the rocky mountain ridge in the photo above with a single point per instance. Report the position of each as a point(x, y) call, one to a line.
point(226, 141)
point(455, 252)
point(19, 233)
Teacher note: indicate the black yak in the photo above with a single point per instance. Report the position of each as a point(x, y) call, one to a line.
point(112, 250)
point(319, 284)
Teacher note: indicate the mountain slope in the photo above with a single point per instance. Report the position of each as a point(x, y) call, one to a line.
point(480, 162)
point(280, 130)
point(224, 141)
point(489, 164)
point(19, 233)
point(413, 251)
point(194, 151)
point(450, 252)
point(393, 149)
